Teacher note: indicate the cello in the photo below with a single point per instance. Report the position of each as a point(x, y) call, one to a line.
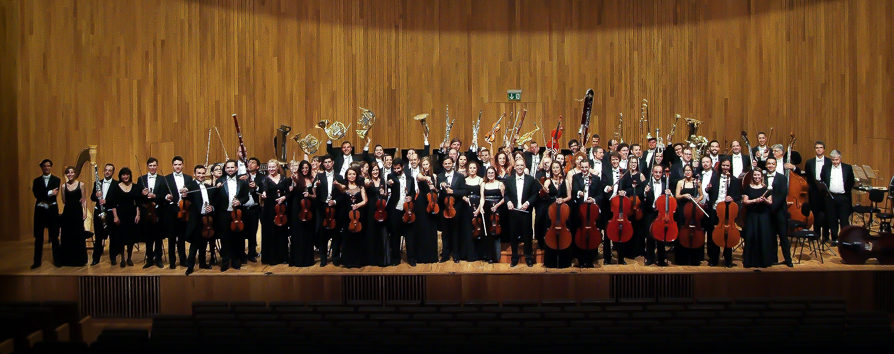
point(619, 228)
point(636, 204)
point(726, 235)
point(797, 192)
point(692, 234)
point(664, 228)
point(558, 236)
point(588, 236)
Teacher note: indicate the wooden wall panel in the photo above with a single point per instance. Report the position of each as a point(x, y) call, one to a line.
point(148, 77)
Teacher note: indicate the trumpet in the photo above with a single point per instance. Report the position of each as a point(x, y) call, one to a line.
point(335, 130)
point(308, 143)
point(366, 121)
point(421, 118)
point(526, 137)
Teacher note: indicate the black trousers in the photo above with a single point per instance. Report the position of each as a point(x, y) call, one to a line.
point(450, 237)
point(251, 218)
point(176, 238)
point(520, 228)
point(397, 229)
point(46, 219)
point(652, 244)
point(327, 250)
point(780, 225)
point(230, 246)
point(820, 219)
point(100, 234)
point(838, 214)
point(152, 234)
point(713, 249)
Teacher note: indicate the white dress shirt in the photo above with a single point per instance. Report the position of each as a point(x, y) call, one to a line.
point(205, 200)
point(402, 183)
point(251, 199)
point(820, 161)
point(519, 187)
point(106, 183)
point(706, 180)
point(836, 180)
point(348, 159)
point(721, 190)
point(737, 165)
point(656, 190)
point(770, 177)
point(330, 177)
point(231, 191)
point(150, 181)
point(178, 181)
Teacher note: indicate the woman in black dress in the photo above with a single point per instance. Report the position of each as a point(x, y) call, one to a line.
point(687, 190)
point(633, 184)
point(426, 225)
point(467, 210)
point(274, 238)
point(760, 241)
point(122, 200)
point(492, 194)
point(72, 244)
point(376, 191)
point(301, 249)
point(355, 245)
point(558, 191)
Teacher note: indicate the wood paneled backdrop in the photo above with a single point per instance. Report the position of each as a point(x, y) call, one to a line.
point(143, 77)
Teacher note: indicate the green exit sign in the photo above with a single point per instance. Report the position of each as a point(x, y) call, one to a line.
point(513, 95)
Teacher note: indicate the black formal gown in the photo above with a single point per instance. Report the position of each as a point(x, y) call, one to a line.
point(504, 215)
point(426, 228)
point(274, 239)
point(376, 231)
point(301, 247)
point(464, 217)
point(490, 247)
point(554, 258)
point(73, 246)
point(125, 204)
point(355, 245)
point(683, 255)
point(760, 240)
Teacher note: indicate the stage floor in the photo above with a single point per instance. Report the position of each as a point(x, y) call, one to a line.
point(16, 260)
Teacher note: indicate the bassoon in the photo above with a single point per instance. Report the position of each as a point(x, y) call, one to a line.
point(241, 143)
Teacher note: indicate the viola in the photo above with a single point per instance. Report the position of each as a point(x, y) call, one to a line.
point(478, 227)
point(329, 217)
point(692, 234)
point(619, 228)
point(207, 226)
point(409, 217)
point(588, 235)
point(380, 214)
point(544, 192)
point(354, 224)
point(495, 228)
point(280, 218)
point(432, 198)
point(236, 224)
point(306, 213)
point(558, 237)
point(726, 235)
point(183, 211)
point(636, 205)
point(664, 228)
point(151, 215)
point(449, 207)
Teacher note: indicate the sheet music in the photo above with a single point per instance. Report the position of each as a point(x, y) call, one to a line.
point(870, 173)
point(858, 173)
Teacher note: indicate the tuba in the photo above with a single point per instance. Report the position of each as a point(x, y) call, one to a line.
point(335, 130)
point(308, 143)
point(366, 121)
point(696, 142)
point(279, 142)
point(422, 119)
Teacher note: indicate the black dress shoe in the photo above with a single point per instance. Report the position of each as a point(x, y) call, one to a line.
point(189, 271)
point(411, 262)
point(490, 261)
point(123, 263)
point(237, 266)
point(114, 262)
point(649, 262)
point(158, 264)
point(513, 263)
point(323, 262)
point(622, 261)
point(730, 264)
point(253, 259)
point(129, 262)
point(529, 262)
point(224, 267)
point(204, 266)
point(456, 260)
point(662, 263)
point(95, 262)
point(173, 266)
point(789, 264)
point(607, 261)
point(336, 262)
point(444, 259)
point(35, 266)
point(147, 265)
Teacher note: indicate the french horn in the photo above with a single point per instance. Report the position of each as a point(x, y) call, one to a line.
point(309, 143)
point(366, 121)
point(335, 130)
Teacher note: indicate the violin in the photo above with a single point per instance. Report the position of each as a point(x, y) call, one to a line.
point(354, 224)
point(183, 211)
point(478, 227)
point(432, 198)
point(495, 228)
point(692, 234)
point(151, 215)
point(449, 206)
point(329, 217)
point(588, 235)
point(664, 228)
point(555, 135)
point(306, 212)
point(236, 224)
point(381, 202)
point(619, 228)
point(280, 218)
point(636, 205)
point(207, 225)
point(409, 217)
point(558, 237)
point(726, 235)
point(544, 192)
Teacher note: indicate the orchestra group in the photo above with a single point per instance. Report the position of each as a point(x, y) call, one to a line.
point(374, 209)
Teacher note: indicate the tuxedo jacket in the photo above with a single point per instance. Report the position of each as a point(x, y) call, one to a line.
point(93, 191)
point(338, 158)
point(528, 193)
point(394, 189)
point(197, 204)
point(780, 191)
point(847, 173)
point(159, 189)
point(596, 190)
point(457, 184)
point(734, 190)
point(222, 202)
point(40, 191)
point(175, 194)
point(810, 170)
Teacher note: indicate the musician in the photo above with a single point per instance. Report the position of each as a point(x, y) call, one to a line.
point(688, 190)
point(153, 229)
point(778, 185)
point(233, 196)
point(355, 246)
point(330, 196)
point(814, 168)
point(502, 166)
point(426, 225)
point(652, 191)
point(533, 156)
point(402, 190)
point(387, 164)
point(676, 169)
point(484, 158)
point(777, 153)
point(378, 156)
point(839, 177)
point(72, 249)
point(637, 151)
point(494, 209)
point(597, 163)
point(123, 200)
point(574, 146)
point(585, 188)
point(723, 187)
point(611, 177)
point(175, 226)
point(202, 199)
point(251, 216)
point(650, 154)
point(624, 151)
point(301, 232)
point(714, 153)
point(521, 193)
point(342, 158)
point(559, 192)
point(377, 190)
point(740, 163)
point(450, 183)
point(591, 151)
point(102, 222)
point(462, 165)
point(274, 238)
point(46, 211)
point(633, 184)
point(674, 155)
point(760, 246)
point(761, 152)
point(452, 153)
point(612, 147)
point(471, 200)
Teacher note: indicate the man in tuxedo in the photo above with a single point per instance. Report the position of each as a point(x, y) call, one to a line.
point(450, 184)
point(714, 153)
point(176, 226)
point(46, 211)
point(232, 196)
point(521, 193)
point(761, 152)
point(814, 169)
point(154, 191)
point(251, 216)
point(598, 166)
point(342, 158)
point(330, 195)
point(655, 187)
point(203, 199)
point(839, 178)
point(677, 168)
point(533, 155)
point(574, 146)
point(739, 163)
point(723, 187)
point(778, 211)
point(102, 223)
point(402, 190)
point(588, 188)
point(438, 163)
point(645, 164)
point(611, 177)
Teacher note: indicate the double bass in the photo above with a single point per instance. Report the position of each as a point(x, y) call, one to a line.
point(856, 246)
point(796, 199)
point(664, 228)
point(726, 234)
point(588, 237)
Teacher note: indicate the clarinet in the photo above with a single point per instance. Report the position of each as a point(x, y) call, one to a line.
point(102, 208)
